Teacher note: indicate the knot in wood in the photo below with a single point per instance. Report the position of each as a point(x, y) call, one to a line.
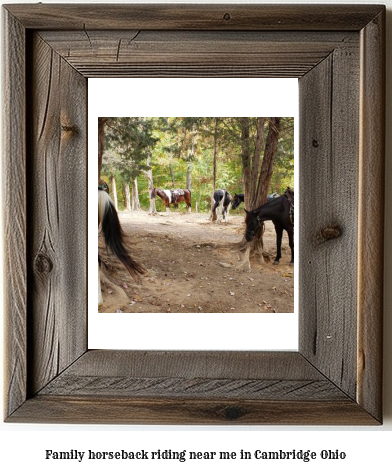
point(43, 264)
point(227, 16)
point(315, 143)
point(328, 233)
point(232, 412)
point(68, 128)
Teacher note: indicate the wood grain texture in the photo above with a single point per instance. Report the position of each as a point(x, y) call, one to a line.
point(14, 209)
point(57, 177)
point(192, 387)
point(196, 53)
point(329, 170)
point(371, 216)
point(194, 17)
point(103, 409)
point(208, 364)
point(205, 374)
point(188, 387)
point(335, 378)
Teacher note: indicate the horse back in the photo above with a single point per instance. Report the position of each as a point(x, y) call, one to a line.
point(277, 210)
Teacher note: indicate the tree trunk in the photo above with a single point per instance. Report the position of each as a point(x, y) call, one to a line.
point(189, 175)
point(114, 191)
point(172, 173)
point(101, 139)
point(257, 180)
point(215, 153)
point(212, 216)
point(153, 209)
point(135, 196)
point(256, 159)
point(189, 161)
point(171, 160)
point(246, 161)
point(271, 148)
point(127, 195)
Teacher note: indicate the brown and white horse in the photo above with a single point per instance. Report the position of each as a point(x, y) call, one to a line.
point(173, 196)
point(112, 231)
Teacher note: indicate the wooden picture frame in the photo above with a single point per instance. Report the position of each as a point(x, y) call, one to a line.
point(338, 54)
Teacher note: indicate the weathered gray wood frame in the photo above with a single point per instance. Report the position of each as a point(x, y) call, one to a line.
point(337, 52)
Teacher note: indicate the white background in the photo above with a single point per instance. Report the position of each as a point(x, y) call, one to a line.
point(172, 98)
point(367, 449)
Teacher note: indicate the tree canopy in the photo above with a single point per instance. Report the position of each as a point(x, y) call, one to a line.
point(254, 155)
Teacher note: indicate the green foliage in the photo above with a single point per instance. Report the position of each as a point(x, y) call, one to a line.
point(182, 145)
point(283, 175)
point(127, 141)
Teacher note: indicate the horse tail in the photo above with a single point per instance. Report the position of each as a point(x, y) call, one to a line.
point(113, 233)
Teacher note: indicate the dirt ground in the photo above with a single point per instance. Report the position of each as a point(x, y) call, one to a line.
point(187, 274)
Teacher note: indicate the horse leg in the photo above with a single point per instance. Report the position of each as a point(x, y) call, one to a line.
point(224, 213)
point(279, 234)
point(227, 212)
point(222, 209)
point(290, 233)
point(213, 212)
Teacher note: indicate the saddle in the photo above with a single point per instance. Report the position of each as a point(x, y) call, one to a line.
point(175, 193)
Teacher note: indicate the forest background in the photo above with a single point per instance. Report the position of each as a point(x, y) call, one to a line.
point(197, 153)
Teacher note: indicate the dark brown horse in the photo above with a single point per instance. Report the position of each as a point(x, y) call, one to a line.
point(173, 196)
point(237, 200)
point(280, 211)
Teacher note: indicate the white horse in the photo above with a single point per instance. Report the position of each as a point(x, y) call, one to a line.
point(114, 237)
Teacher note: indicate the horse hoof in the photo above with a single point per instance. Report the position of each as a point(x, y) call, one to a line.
point(275, 262)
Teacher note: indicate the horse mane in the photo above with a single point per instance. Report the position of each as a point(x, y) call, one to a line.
point(289, 193)
point(271, 203)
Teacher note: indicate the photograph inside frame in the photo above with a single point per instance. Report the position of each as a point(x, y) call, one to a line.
point(196, 214)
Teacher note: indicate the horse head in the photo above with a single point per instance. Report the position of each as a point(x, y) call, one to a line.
point(253, 222)
point(235, 202)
